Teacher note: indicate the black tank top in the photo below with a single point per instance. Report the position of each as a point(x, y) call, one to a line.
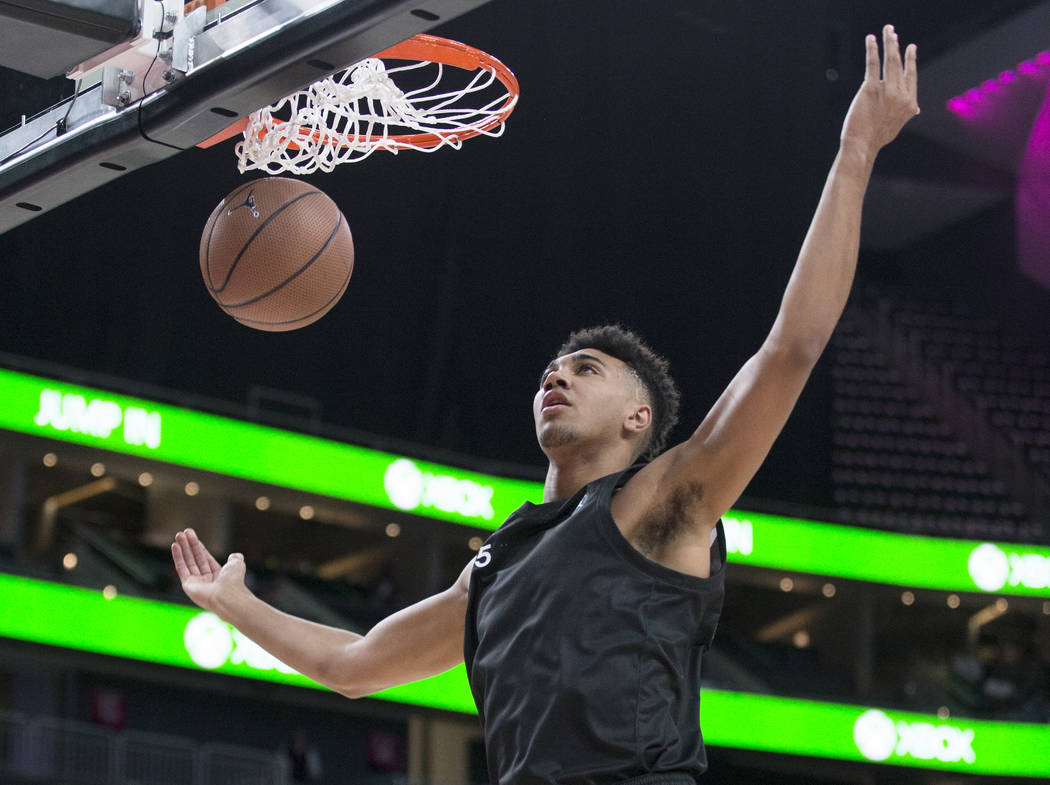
point(582, 654)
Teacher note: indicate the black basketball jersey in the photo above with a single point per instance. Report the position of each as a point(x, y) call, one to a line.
point(583, 655)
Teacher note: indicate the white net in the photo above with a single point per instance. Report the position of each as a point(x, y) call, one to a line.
point(350, 115)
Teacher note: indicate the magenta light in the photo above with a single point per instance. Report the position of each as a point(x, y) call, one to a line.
point(960, 106)
point(1033, 200)
point(978, 97)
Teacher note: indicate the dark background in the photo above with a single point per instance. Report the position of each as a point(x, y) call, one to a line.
point(660, 171)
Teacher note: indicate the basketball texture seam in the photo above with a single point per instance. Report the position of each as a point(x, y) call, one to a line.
point(328, 304)
point(214, 222)
point(294, 275)
point(247, 244)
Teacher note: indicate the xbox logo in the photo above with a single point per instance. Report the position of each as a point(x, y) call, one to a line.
point(208, 640)
point(403, 482)
point(989, 567)
point(878, 737)
point(875, 735)
point(408, 487)
point(212, 643)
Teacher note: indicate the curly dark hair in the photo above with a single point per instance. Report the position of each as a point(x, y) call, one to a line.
point(650, 368)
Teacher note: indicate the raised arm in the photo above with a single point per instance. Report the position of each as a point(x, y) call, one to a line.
point(416, 642)
point(734, 438)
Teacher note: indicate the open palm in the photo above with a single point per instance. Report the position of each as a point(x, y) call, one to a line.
point(203, 578)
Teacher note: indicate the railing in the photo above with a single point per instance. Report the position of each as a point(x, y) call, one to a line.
point(152, 759)
point(47, 749)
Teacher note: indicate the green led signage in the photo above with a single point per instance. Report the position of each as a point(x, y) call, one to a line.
point(97, 417)
point(45, 407)
point(410, 488)
point(52, 409)
point(186, 637)
point(1009, 567)
point(858, 733)
point(886, 557)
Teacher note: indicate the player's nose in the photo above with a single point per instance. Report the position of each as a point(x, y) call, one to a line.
point(555, 379)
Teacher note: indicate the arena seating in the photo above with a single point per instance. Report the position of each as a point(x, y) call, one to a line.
point(896, 463)
point(1006, 375)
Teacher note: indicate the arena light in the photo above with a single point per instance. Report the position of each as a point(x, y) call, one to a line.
point(983, 97)
point(183, 636)
point(52, 409)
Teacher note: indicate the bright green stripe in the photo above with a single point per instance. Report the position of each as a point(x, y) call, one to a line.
point(448, 691)
point(826, 730)
point(83, 619)
point(315, 465)
point(154, 631)
point(254, 452)
point(863, 554)
point(880, 557)
point(77, 618)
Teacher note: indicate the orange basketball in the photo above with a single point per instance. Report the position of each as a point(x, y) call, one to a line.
point(276, 254)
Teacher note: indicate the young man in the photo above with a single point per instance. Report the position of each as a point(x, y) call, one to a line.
point(584, 618)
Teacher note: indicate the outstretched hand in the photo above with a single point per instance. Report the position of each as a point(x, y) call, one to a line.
point(887, 99)
point(203, 578)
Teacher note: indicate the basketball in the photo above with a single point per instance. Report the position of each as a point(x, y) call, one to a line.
point(276, 254)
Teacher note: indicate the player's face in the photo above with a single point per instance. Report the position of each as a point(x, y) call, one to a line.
point(583, 397)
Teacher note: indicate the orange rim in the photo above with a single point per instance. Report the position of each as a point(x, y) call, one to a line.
point(427, 47)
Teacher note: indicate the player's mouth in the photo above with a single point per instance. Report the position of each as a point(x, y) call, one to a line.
point(553, 400)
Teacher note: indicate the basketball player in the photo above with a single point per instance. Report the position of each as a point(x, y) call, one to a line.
point(585, 618)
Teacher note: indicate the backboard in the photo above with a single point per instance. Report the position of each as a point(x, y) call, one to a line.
point(226, 62)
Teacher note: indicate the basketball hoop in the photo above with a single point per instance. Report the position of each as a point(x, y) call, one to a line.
point(348, 116)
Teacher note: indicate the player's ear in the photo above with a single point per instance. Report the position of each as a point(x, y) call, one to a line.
point(639, 418)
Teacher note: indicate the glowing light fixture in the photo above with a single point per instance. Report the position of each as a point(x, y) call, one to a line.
point(974, 100)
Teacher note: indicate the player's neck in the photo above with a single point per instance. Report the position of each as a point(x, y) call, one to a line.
point(566, 475)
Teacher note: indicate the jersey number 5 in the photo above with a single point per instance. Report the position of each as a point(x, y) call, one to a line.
point(483, 557)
